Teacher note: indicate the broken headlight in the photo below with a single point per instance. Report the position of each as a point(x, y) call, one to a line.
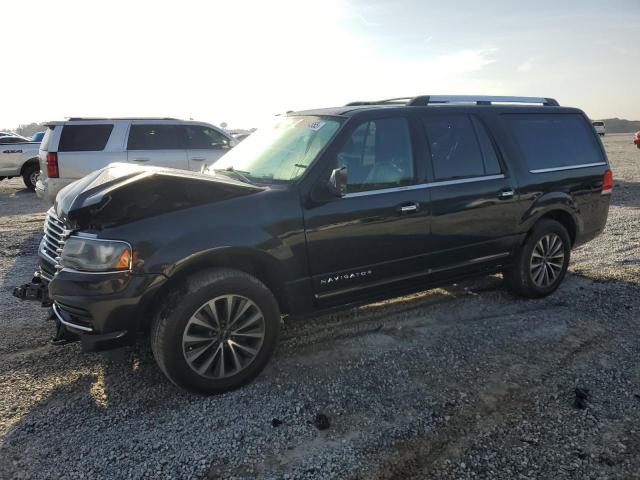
point(94, 255)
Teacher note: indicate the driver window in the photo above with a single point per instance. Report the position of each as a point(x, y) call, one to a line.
point(200, 137)
point(378, 155)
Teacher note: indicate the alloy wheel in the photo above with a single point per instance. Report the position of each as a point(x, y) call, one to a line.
point(547, 260)
point(33, 177)
point(224, 336)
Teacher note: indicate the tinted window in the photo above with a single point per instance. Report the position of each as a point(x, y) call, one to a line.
point(378, 155)
point(84, 138)
point(551, 141)
point(155, 137)
point(455, 150)
point(487, 148)
point(7, 140)
point(204, 137)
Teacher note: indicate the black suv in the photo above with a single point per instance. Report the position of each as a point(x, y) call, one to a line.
point(322, 209)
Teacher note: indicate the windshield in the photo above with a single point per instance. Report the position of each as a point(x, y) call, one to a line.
point(280, 152)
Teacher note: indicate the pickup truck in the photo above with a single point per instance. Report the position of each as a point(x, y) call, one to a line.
point(19, 157)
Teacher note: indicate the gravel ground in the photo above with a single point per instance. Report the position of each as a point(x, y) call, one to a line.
point(463, 382)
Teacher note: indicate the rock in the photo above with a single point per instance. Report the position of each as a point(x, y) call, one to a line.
point(321, 421)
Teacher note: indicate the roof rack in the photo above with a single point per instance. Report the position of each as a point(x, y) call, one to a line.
point(121, 118)
point(424, 100)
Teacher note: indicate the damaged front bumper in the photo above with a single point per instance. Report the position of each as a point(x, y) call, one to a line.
point(36, 291)
point(101, 311)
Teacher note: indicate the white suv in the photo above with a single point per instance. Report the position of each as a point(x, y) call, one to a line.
point(76, 147)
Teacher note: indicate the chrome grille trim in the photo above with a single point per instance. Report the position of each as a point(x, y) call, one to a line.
point(55, 236)
point(69, 324)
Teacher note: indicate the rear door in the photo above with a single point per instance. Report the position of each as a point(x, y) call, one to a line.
point(205, 145)
point(474, 199)
point(159, 144)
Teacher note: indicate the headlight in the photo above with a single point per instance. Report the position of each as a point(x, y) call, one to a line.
point(91, 255)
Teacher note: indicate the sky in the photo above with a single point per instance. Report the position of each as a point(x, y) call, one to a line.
point(240, 61)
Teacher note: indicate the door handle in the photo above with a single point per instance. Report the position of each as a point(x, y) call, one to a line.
point(140, 159)
point(406, 208)
point(198, 159)
point(507, 193)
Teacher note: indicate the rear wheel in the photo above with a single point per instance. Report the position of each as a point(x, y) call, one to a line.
point(542, 262)
point(218, 333)
point(30, 175)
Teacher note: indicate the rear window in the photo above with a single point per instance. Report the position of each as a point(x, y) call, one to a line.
point(555, 140)
point(155, 137)
point(598, 124)
point(84, 138)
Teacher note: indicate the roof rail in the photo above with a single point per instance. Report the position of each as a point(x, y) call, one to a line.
point(121, 118)
point(424, 100)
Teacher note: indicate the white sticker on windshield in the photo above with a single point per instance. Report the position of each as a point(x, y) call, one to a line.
point(315, 126)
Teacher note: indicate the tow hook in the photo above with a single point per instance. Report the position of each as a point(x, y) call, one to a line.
point(34, 291)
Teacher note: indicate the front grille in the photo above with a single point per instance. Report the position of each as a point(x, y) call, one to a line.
point(55, 234)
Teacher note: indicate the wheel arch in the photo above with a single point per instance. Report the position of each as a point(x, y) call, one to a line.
point(247, 260)
point(556, 206)
point(30, 161)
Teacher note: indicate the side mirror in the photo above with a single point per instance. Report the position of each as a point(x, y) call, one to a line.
point(338, 181)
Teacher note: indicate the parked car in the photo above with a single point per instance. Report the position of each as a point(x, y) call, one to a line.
point(19, 158)
point(7, 134)
point(324, 209)
point(76, 147)
point(636, 139)
point(37, 137)
point(599, 127)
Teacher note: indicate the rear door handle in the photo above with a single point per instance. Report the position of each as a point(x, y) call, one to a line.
point(407, 208)
point(199, 159)
point(507, 193)
point(140, 159)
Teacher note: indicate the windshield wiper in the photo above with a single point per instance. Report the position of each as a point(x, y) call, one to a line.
point(238, 173)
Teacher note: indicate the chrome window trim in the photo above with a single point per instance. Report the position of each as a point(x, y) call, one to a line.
point(69, 324)
point(569, 167)
point(441, 183)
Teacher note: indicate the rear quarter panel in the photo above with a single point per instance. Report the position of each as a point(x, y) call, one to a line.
point(576, 191)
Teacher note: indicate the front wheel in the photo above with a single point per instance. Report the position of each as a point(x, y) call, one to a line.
point(217, 333)
point(542, 262)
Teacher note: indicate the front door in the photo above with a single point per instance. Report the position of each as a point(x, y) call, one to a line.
point(205, 145)
point(374, 236)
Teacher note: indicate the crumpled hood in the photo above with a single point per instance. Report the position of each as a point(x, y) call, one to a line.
point(121, 193)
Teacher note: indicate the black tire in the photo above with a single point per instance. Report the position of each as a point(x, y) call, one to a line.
point(173, 319)
point(30, 174)
point(520, 276)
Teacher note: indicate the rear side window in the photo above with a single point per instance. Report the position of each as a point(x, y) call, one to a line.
point(460, 147)
point(155, 137)
point(378, 155)
point(82, 138)
point(199, 137)
point(554, 140)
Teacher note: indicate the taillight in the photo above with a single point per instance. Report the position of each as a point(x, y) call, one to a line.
point(607, 182)
point(52, 165)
